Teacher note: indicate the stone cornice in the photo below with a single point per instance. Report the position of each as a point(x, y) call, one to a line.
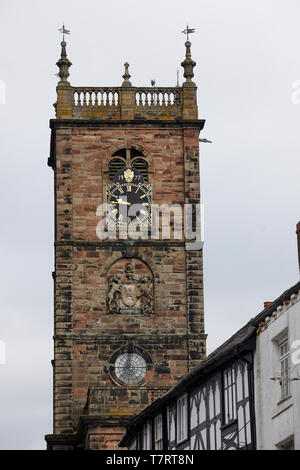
point(126, 336)
point(121, 243)
point(94, 123)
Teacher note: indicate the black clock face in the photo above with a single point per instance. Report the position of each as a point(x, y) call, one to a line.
point(127, 190)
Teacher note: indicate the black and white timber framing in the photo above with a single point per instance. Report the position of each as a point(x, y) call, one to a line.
point(218, 397)
point(220, 410)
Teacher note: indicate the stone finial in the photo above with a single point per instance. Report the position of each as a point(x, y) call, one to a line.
point(126, 76)
point(63, 64)
point(188, 64)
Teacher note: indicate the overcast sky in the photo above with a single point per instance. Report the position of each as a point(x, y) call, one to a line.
point(247, 54)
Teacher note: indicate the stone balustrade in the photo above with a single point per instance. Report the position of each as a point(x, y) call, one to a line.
point(95, 96)
point(121, 103)
point(157, 97)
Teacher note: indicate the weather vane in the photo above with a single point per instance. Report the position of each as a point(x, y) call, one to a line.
point(64, 31)
point(188, 31)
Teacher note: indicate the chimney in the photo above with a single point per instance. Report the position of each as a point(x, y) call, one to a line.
point(298, 242)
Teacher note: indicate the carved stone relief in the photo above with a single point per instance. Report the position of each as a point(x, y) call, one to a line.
point(130, 288)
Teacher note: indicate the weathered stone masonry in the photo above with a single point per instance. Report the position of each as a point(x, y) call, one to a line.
point(90, 409)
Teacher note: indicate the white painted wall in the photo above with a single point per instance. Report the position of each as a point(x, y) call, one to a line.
point(277, 420)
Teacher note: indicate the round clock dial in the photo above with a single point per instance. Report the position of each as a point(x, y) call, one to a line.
point(130, 368)
point(128, 189)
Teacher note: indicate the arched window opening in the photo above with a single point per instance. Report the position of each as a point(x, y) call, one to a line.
point(130, 158)
point(142, 166)
point(115, 165)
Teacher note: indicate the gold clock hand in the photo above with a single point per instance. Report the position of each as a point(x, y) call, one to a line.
point(121, 201)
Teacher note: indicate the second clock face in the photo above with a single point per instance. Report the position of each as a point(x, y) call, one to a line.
point(130, 368)
point(127, 190)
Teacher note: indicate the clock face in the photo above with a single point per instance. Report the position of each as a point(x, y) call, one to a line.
point(128, 189)
point(130, 368)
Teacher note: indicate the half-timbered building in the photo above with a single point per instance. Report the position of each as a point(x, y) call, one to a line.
point(211, 408)
point(245, 395)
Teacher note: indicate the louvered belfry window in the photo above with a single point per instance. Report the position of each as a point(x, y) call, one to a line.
point(115, 165)
point(141, 165)
point(130, 158)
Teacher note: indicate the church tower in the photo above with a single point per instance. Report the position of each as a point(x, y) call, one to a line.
point(128, 304)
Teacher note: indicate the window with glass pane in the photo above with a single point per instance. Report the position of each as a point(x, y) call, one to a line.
point(284, 357)
point(229, 395)
point(146, 436)
point(158, 439)
point(182, 418)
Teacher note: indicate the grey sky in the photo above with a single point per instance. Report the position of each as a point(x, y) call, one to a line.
point(247, 55)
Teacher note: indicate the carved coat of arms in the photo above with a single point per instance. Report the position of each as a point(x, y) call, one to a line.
point(130, 293)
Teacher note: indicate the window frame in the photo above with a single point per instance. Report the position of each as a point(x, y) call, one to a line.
point(182, 419)
point(229, 396)
point(158, 438)
point(284, 362)
point(146, 436)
